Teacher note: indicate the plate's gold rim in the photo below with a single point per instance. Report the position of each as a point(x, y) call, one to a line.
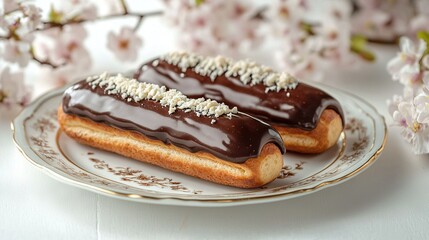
point(136, 196)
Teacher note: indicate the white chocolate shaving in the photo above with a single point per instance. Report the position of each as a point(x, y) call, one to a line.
point(133, 90)
point(246, 71)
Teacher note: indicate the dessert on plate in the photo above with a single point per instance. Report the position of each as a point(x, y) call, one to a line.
point(196, 136)
point(308, 119)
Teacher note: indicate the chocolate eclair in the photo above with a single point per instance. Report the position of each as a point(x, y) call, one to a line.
point(308, 119)
point(153, 124)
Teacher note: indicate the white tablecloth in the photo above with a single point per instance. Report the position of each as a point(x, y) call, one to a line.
point(390, 200)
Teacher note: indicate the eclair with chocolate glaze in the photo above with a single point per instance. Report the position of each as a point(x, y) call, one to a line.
point(308, 119)
point(153, 124)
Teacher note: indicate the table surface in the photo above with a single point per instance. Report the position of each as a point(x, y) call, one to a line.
point(390, 200)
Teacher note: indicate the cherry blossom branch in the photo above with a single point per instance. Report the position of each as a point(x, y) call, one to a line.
point(45, 62)
point(409, 111)
point(124, 6)
point(12, 11)
point(139, 22)
point(47, 25)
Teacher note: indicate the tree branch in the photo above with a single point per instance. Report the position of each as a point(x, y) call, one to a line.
point(113, 16)
point(139, 22)
point(44, 62)
point(124, 6)
point(48, 25)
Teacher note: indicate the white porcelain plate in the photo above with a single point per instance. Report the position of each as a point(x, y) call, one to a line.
point(37, 135)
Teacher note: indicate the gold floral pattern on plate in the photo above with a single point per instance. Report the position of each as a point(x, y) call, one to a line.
point(131, 175)
point(290, 171)
point(37, 134)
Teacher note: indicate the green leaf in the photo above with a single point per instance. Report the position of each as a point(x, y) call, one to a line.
point(424, 36)
point(358, 41)
point(307, 27)
point(198, 2)
point(55, 16)
point(358, 45)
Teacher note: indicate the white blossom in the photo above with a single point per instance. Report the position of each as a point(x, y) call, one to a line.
point(33, 16)
point(308, 47)
point(17, 52)
point(68, 45)
point(124, 45)
point(13, 92)
point(76, 10)
point(382, 20)
point(410, 112)
point(8, 6)
point(213, 27)
point(409, 56)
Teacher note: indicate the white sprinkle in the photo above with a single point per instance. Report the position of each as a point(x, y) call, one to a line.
point(213, 121)
point(288, 94)
point(133, 90)
point(246, 71)
point(155, 63)
point(182, 75)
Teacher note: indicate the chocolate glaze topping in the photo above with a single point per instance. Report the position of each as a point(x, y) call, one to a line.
point(233, 139)
point(300, 107)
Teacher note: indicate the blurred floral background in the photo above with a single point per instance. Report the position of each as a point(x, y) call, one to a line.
point(305, 39)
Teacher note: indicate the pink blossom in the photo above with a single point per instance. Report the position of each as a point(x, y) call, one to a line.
point(405, 116)
point(66, 74)
point(68, 45)
point(285, 16)
point(125, 45)
point(334, 32)
point(414, 132)
point(76, 10)
point(392, 105)
point(411, 76)
point(422, 100)
point(302, 62)
point(21, 23)
point(13, 91)
point(308, 48)
point(8, 6)
point(410, 55)
point(411, 114)
point(17, 52)
point(411, 111)
point(370, 22)
point(33, 17)
point(215, 27)
point(65, 49)
point(422, 105)
point(382, 20)
point(72, 71)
